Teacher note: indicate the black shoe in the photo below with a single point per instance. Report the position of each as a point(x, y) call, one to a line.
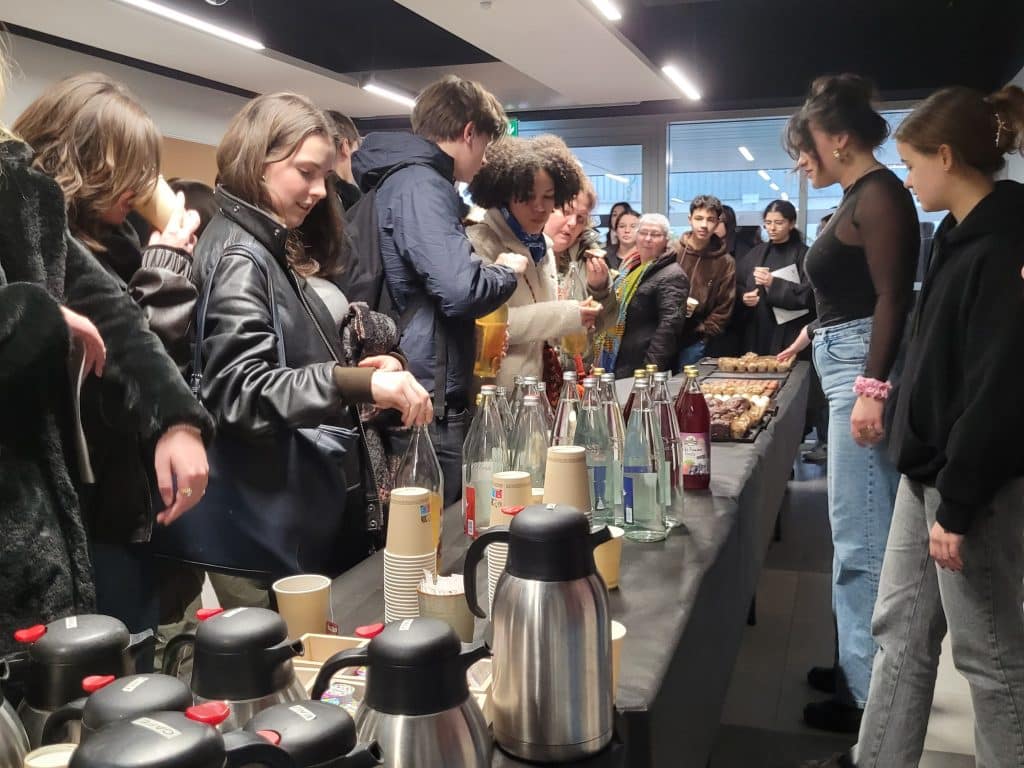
point(838, 760)
point(833, 715)
point(822, 679)
point(817, 455)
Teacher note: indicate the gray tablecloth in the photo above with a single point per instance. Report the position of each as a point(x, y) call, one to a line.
point(683, 601)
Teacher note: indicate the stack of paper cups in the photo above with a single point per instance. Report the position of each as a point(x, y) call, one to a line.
point(409, 552)
point(566, 480)
point(511, 492)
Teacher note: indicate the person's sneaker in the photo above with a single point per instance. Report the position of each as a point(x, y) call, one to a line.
point(822, 679)
point(817, 455)
point(833, 715)
point(838, 760)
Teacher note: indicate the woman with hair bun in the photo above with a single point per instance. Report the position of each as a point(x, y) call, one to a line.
point(862, 268)
point(954, 556)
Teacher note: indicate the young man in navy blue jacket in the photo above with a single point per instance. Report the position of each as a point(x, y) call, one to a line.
point(435, 281)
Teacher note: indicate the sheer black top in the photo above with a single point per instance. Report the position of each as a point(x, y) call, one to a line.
point(864, 261)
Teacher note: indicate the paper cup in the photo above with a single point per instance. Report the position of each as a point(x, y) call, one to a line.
point(53, 756)
point(304, 603)
point(618, 638)
point(509, 489)
point(409, 529)
point(537, 496)
point(452, 609)
point(566, 480)
point(608, 557)
point(159, 206)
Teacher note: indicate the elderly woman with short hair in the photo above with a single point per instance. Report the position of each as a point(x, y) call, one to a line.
point(651, 290)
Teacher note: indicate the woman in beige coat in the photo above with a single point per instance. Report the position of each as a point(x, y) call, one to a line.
point(523, 181)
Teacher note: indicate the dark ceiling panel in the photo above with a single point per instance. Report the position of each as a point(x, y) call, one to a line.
point(341, 35)
point(756, 50)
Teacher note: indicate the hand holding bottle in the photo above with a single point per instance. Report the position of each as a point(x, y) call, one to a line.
point(590, 313)
point(514, 261)
point(399, 390)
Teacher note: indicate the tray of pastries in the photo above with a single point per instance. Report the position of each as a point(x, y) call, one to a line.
point(737, 418)
point(753, 364)
point(740, 387)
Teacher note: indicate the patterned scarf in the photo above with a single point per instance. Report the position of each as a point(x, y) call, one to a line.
point(536, 243)
point(631, 273)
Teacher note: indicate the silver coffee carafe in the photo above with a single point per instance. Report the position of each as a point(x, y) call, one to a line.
point(551, 696)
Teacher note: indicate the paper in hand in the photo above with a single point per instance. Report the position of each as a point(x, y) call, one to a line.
point(791, 275)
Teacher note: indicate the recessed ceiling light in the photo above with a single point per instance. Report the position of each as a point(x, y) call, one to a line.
point(678, 201)
point(774, 186)
point(191, 21)
point(616, 177)
point(681, 81)
point(387, 92)
point(764, 175)
point(746, 153)
point(784, 195)
point(608, 8)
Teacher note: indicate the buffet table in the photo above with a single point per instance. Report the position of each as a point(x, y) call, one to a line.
point(683, 601)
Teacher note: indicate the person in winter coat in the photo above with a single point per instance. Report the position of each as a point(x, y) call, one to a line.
point(523, 182)
point(45, 563)
point(652, 290)
point(272, 164)
point(759, 293)
point(953, 561)
point(92, 137)
point(436, 283)
point(711, 273)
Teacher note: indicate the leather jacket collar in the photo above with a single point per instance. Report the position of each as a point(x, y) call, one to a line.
point(271, 234)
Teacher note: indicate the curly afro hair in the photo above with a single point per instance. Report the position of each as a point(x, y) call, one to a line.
point(512, 163)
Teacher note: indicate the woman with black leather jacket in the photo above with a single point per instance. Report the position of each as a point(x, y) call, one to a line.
point(272, 165)
point(91, 137)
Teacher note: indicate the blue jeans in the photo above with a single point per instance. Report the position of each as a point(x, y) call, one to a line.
point(862, 485)
point(981, 608)
point(691, 354)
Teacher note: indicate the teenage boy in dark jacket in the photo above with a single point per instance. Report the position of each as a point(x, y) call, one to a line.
point(436, 282)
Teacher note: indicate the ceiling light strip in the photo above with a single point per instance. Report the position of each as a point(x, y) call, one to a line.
point(681, 81)
point(198, 24)
point(616, 177)
point(746, 153)
point(608, 9)
point(389, 93)
point(764, 175)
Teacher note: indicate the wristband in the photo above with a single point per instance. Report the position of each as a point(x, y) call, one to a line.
point(873, 388)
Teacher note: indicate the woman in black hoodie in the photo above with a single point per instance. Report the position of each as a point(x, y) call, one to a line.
point(956, 440)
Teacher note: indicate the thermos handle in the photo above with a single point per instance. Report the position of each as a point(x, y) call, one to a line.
point(244, 748)
point(600, 536)
point(365, 755)
point(172, 652)
point(288, 649)
point(353, 657)
point(473, 555)
point(472, 653)
point(73, 710)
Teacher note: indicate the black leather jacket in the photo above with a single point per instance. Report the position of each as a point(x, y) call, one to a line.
point(252, 394)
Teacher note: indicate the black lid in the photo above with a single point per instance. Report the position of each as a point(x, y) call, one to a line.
point(312, 732)
point(157, 740)
point(133, 696)
point(550, 543)
point(243, 654)
point(417, 667)
point(70, 650)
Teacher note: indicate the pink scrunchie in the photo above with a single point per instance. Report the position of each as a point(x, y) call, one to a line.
point(873, 388)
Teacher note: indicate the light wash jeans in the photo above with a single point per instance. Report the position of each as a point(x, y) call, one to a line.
point(982, 607)
point(691, 355)
point(862, 486)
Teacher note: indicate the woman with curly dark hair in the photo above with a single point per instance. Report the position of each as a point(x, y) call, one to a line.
point(522, 183)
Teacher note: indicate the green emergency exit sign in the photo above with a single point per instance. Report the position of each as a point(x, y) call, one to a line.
point(513, 126)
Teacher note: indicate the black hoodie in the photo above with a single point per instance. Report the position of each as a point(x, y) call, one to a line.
point(958, 421)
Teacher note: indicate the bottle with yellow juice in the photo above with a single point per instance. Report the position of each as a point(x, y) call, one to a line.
point(420, 468)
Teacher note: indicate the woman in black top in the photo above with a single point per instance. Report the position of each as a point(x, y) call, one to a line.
point(862, 269)
point(959, 505)
point(759, 293)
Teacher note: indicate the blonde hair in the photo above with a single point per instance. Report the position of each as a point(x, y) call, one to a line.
point(97, 142)
point(5, 76)
point(270, 129)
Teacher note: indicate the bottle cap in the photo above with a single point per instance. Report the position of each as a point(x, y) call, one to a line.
point(569, 376)
point(639, 373)
point(589, 383)
point(488, 389)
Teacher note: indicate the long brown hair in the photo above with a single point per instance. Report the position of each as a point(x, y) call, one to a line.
point(97, 142)
point(980, 130)
point(270, 129)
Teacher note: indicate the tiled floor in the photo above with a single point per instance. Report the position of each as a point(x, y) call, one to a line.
point(761, 722)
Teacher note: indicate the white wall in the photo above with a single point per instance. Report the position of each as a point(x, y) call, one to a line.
point(1015, 163)
point(181, 110)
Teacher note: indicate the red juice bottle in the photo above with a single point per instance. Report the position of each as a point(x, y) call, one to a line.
point(639, 373)
point(695, 433)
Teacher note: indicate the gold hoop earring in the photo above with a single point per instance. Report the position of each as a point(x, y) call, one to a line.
point(837, 154)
